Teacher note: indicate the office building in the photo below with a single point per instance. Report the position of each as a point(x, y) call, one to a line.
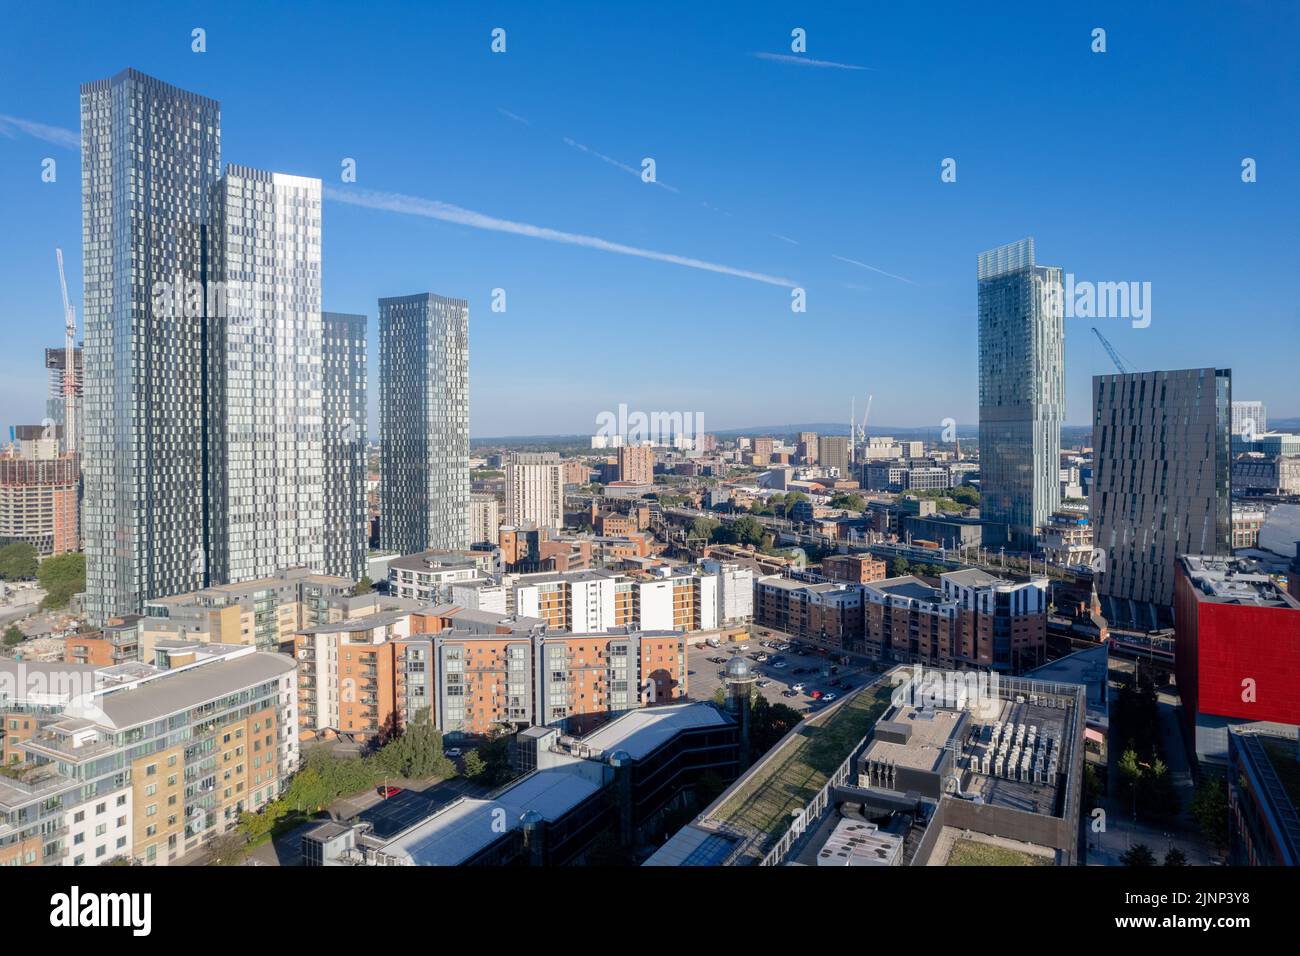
point(1022, 393)
point(266, 480)
point(1237, 653)
point(424, 422)
point(854, 568)
point(1263, 799)
point(807, 448)
point(1161, 487)
point(150, 153)
point(535, 490)
point(343, 404)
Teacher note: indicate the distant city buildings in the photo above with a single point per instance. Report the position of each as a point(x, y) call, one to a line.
point(1162, 484)
point(56, 361)
point(636, 464)
point(1022, 393)
point(833, 452)
point(1249, 419)
point(484, 519)
point(424, 422)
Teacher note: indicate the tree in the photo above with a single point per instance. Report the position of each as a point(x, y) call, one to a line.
point(228, 849)
point(13, 636)
point(1139, 855)
point(1209, 808)
point(474, 765)
point(61, 577)
point(848, 502)
point(417, 753)
point(899, 567)
point(364, 586)
point(17, 561)
point(704, 528)
point(744, 530)
point(966, 495)
point(496, 758)
point(1175, 857)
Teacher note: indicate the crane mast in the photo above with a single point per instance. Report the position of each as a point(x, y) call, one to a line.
point(69, 363)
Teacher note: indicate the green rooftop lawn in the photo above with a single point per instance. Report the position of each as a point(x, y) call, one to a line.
point(803, 764)
point(974, 853)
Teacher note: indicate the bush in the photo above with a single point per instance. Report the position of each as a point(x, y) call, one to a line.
point(61, 577)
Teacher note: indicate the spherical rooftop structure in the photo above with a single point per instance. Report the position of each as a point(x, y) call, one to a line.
point(738, 669)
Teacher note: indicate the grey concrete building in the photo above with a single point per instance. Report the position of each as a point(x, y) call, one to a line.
point(1022, 393)
point(424, 422)
point(343, 363)
point(150, 153)
point(1162, 484)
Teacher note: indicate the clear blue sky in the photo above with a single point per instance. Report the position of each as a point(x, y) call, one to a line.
point(1123, 166)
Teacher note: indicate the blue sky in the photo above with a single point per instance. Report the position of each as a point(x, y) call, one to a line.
point(1123, 166)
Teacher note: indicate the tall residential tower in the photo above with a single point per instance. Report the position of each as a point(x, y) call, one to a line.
point(1022, 393)
point(344, 427)
point(150, 153)
point(424, 422)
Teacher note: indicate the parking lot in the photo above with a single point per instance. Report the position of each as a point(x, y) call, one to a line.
point(802, 665)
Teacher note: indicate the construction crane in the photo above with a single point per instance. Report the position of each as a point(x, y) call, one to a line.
point(69, 363)
point(857, 432)
point(1110, 350)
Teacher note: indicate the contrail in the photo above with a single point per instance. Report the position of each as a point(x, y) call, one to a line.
point(855, 262)
point(514, 116)
point(809, 61)
point(614, 162)
point(56, 135)
point(433, 209)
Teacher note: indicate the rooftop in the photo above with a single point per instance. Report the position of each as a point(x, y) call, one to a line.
point(1224, 580)
point(640, 732)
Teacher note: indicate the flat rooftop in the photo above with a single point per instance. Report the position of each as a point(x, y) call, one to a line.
point(907, 587)
point(931, 730)
point(1224, 580)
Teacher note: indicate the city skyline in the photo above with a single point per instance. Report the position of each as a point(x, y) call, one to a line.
point(536, 194)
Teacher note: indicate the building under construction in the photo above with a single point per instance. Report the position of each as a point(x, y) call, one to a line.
point(39, 489)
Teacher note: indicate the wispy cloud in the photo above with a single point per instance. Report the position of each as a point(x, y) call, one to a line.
point(777, 235)
point(11, 126)
point(863, 265)
point(433, 209)
point(614, 162)
point(514, 116)
point(809, 61)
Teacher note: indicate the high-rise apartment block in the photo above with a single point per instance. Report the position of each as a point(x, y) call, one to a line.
point(1161, 484)
point(484, 519)
point(56, 360)
point(808, 448)
point(343, 433)
point(1249, 419)
point(424, 422)
point(265, 454)
point(1022, 393)
point(150, 155)
point(833, 452)
point(534, 490)
point(636, 464)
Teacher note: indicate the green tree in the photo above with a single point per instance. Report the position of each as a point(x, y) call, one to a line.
point(474, 765)
point(13, 636)
point(1209, 808)
point(704, 528)
point(966, 495)
point(417, 752)
point(17, 561)
point(228, 849)
point(1175, 857)
point(61, 577)
point(364, 586)
point(496, 758)
point(899, 567)
point(1139, 855)
point(848, 501)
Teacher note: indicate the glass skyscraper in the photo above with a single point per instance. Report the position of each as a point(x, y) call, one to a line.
point(1022, 393)
point(266, 485)
point(344, 363)
point(150, 154)
point(424, 422)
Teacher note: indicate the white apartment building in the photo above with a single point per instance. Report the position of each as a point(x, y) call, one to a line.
point(535, 490)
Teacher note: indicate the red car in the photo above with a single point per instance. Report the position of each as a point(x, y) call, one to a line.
point(387, 792)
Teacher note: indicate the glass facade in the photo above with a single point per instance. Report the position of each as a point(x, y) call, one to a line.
point(424, 423)
point(1022, 393)
point(150, 154)
point(344, 427)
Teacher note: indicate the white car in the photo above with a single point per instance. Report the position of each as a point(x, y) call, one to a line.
point(797, 688)
point(829, 697)
point(779, 664)
point(743, 647)
point(452, 752)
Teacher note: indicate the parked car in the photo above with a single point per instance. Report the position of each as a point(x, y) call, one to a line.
point(829, 697)
point(796, 687)
point(387, 792)
point(743, 647)
point(763, 683)
point(779, 664)
point(816, 695)
point(789, 693)
point(452, 752)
